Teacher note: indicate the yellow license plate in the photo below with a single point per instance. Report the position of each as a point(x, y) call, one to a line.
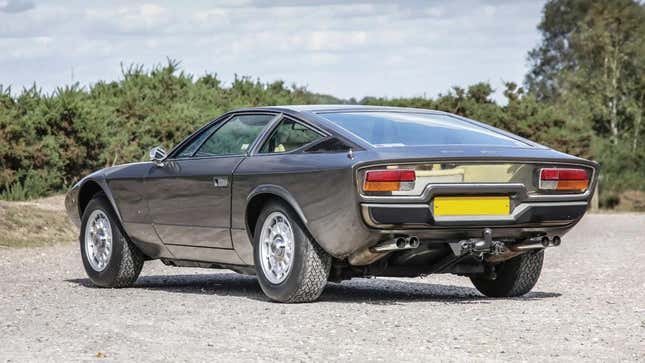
point(472, 206)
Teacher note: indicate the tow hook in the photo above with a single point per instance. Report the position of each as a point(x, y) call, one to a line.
point(479, 247)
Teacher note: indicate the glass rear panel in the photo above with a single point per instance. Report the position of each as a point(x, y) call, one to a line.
point(383, 129)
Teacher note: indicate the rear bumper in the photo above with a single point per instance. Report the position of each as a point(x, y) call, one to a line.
point(529, 220)
point(539, 214)
point(530, 215)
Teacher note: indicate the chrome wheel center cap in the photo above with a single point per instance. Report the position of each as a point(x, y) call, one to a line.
point(278, 247)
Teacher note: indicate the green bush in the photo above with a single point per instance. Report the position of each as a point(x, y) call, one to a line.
point(49, 141)
point(33, 185)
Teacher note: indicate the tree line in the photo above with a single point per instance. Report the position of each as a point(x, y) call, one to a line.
point(584, 95)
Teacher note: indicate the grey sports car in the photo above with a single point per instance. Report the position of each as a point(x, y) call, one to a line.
point(302, 195)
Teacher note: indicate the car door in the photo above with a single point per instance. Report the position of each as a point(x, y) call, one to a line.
point(189, 194)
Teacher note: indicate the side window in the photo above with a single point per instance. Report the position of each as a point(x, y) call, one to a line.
point(289, 135)
point(235, 136)
point(190, 149)
point(331, 145)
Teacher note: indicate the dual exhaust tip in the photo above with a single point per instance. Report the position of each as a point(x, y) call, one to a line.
point(398, 243)
point(407, 242)
point(538, 243)
point(554, 242)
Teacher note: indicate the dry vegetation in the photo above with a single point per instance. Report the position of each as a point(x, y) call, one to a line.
point(631, 200)
point(35, 223)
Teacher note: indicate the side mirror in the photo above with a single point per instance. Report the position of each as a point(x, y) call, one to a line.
point(158, 154)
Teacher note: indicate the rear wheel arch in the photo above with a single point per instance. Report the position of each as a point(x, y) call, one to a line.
point(263, 195)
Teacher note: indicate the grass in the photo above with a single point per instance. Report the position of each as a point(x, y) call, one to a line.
point(31, 225)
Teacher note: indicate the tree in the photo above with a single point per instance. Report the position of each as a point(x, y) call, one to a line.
point(608, 47)
point(590, 67)
point(560, 19)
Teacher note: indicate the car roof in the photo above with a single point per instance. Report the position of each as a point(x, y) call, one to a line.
point(337, 108)
point(312, 114)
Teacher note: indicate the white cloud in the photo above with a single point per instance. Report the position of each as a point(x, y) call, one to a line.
point(489, 10)
point(324, 58)
point(16, 6)
point(347, 48)
point(128, 19)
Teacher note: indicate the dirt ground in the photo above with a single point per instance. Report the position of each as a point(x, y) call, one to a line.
point(589, 304)
point(39, 222)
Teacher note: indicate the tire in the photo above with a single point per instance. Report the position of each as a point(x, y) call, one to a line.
point(123, 265)
point(514, 277)
point(309, 268)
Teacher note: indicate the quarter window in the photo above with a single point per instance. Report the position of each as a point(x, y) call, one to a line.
point(235, 136)
point(288, 136)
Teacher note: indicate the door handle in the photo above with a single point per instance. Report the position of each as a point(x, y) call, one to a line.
point(220, 181)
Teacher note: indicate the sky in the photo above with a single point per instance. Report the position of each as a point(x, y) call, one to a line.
point(343, 48)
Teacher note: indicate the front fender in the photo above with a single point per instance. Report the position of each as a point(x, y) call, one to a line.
point(82, 192)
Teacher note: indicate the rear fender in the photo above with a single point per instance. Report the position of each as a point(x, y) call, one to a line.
point(272, 189)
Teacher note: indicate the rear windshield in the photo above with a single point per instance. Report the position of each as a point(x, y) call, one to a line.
point(383, 129)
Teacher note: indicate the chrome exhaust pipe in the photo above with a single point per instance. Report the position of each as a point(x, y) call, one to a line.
point(533, 244)
point(396, 244)
point(527, 246)
point(368, 255)
point(400, 242)
point(414, 242)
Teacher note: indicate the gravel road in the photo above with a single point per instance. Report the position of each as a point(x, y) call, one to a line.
point(589, 304)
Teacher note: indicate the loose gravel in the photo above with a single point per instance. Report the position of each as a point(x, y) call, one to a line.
point(589, 304)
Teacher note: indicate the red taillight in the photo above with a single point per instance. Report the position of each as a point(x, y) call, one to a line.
point(391, 176)
point(389, 180)
point(564, 179)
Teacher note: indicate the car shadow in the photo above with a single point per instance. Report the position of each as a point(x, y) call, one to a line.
point(380, 291)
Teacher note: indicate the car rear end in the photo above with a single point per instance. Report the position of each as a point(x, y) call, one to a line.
point(440, 193)
point(457, 199)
